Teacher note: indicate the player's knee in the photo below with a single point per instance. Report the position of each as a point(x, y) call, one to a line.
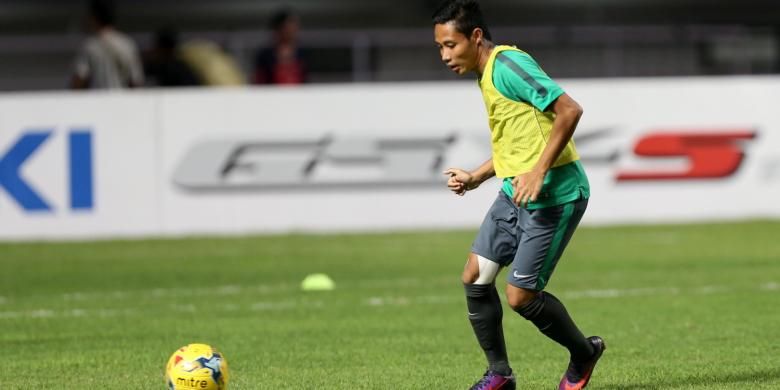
point(471, 270)
point(518, 298)
point(469, 278)
point(480, 270)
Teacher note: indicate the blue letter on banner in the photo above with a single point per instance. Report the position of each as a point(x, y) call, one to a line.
point(9, 171)
point(81, 169)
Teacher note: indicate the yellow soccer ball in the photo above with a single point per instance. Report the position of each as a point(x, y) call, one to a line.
point(196, 366)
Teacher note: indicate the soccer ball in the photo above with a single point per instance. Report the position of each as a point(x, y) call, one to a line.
point(196, 366)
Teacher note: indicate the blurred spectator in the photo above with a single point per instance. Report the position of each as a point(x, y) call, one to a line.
point(108, 58)
point(212, 64)
point(164, 63)
point(282, 62)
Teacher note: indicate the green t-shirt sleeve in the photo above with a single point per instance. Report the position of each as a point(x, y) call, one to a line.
point(517, 76)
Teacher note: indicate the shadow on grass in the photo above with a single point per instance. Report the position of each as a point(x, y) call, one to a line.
point(720, 379)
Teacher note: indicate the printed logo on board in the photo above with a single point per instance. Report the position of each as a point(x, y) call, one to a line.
point(328, 161)
point(359, 162)
point(78, 169)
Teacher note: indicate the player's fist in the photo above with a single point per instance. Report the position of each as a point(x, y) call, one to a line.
point(460, 181)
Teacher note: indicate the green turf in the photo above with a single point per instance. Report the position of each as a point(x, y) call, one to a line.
point(681, 307)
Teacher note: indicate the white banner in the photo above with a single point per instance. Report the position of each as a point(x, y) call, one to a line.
point(78, 166)
point(367, 157)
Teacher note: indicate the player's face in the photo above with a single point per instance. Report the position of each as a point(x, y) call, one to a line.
point(457, 51)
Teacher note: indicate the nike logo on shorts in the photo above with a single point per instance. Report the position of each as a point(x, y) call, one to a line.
point(518, 276)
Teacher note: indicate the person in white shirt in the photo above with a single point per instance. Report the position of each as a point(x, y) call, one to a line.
point(108, 59)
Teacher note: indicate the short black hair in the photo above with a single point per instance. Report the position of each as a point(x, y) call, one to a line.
point(280, 17)
point(103, 11)
point(465, 13)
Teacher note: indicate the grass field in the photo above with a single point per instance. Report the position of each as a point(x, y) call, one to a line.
point(681, 307)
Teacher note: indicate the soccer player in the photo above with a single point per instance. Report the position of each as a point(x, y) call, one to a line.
point(543, 195)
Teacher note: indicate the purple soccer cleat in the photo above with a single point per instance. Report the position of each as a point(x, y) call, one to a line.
point(495, 381)
point(577, 376)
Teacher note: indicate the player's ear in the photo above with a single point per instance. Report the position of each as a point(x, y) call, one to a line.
point(477, 36)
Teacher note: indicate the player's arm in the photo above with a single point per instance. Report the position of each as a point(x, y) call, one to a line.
point(461, 181)
point(567, 115)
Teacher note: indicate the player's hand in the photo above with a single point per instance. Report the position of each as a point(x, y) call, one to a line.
point(527, 187)
point(460, 181)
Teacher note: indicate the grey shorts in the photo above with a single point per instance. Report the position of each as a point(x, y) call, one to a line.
point(529, 242)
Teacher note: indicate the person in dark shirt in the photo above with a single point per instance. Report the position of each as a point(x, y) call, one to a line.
point(283, 61)
point(164, 64)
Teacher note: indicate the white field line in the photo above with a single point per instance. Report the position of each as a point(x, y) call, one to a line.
point(226, 290)
point(69, 313)
point(770, 286)
point(292, 304)
point(618, 293)
point(583, 294)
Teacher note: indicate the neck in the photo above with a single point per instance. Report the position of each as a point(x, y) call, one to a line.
point(484, 54)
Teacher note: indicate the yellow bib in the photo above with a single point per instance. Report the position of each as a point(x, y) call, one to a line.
point(519, 131)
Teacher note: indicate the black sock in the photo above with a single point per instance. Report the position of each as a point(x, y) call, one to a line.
point(485, 314)
point(550, 316)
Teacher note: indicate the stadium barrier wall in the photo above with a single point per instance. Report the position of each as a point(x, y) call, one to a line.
point(367, 157)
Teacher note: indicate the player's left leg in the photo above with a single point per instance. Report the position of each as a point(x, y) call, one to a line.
point(550, 316)
point(546, 232)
